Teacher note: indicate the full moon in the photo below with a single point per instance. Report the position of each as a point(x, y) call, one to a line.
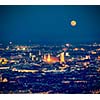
point(73, 23)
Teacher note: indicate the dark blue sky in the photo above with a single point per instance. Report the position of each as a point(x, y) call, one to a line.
point(49, 24)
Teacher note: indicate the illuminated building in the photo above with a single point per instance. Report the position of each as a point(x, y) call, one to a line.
point(14, 69)
point(3, 60)
point(82, 58)
point(37, 59)
point(12, 61)
point(32, 58)
point(85, 64)
point(93, 52)
point(4, 67)
point(4, 80)
point(50, 59)
point(44, 57)
point(18, 48)
point(63, 66)
point(21, 48)
point(7, 48)
point(75, 49)
point(82, 49)
point(67, 54)
point(30, 54)
point(87, 57)
point(27, 71)
point(62, 59)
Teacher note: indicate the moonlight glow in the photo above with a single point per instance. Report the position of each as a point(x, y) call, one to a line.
point(73, 23)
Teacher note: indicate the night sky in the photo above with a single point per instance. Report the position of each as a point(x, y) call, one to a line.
point(49, 24)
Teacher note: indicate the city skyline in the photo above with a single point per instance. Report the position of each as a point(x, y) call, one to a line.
point(55, 69)
point(49, 24)
point(49, 49)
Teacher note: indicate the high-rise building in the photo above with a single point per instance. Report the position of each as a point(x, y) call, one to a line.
point(48, 58)
point(62, 58)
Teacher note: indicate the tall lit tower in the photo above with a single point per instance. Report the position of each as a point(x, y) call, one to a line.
point(44, 57)
point(62, 58)
point(48, 58)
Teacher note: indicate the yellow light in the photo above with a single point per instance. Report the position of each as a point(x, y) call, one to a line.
point(27, 71)
point(48, 59)
point(85, 64)
point(73, 23)
point(23, 48)
point(44, 57)
point(82, 49)
point(18, 48)
point(0, 60)
point(75, 49)
point(14, 69)
point(3, 60)
point(33, 57)
point(82, 58)
point(12, 61)
point(5, 80)
point(62, 59)
point(93, 52)
point(87, 57)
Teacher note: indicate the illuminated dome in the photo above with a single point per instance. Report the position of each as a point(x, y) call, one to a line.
point(50, 59)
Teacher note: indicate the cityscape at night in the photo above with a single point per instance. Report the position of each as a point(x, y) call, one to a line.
point(49, 49)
